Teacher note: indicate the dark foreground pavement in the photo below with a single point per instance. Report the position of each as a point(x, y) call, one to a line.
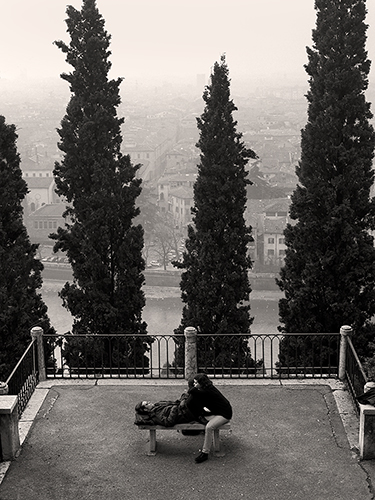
point(286, 443)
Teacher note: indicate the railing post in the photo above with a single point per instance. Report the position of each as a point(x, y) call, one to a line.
point(345, 331)
point(37, 334)
point(190, 352)
point(4, 389)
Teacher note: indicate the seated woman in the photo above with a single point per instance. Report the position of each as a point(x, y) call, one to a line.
point(205, 396)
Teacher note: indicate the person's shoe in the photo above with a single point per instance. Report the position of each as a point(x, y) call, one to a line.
point(202, 457)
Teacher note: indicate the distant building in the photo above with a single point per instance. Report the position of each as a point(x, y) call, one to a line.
point(270, 232)
point(41, 192)
point(169, 182)
point(44, 221)
point(181, 201)
point(151, 157)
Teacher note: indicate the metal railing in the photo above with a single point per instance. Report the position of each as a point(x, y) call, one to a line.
point(113, 356)
point(25, 377)
point(163, 356)
point(221, 356)
point(355, 375)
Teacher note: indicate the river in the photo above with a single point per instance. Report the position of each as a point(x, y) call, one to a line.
point(162, 314)
point(163, 309)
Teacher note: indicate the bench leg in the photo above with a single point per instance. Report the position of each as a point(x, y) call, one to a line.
point(152, 442)
point(216, 444)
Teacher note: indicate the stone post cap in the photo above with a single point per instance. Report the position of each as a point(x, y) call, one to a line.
point(36, 330)
point(4, 389)
point(368, 385)
point(346, 330)
point(190, 331)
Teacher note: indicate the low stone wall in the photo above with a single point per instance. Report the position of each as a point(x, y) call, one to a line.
point(159, 277)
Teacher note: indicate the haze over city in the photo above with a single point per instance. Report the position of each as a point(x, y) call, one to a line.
point(170, 39)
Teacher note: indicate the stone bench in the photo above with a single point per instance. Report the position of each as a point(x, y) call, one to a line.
point(192, 426)
point(9, 432)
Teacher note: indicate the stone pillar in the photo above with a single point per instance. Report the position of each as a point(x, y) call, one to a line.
point(37, 334)
point(9, 432)
point(345, 331)
point(190, 352)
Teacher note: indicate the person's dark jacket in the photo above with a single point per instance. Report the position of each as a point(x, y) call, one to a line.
point(166, 413)
point(210, 398)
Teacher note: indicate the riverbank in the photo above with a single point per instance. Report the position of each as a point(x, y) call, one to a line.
point(163, 292)
point(161, 278)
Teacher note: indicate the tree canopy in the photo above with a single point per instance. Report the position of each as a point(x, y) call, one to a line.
point(215, 285)
point(100, 187)
point(21, 304)
point(329, 272)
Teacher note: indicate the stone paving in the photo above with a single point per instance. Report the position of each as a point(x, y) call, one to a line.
point(289, 440)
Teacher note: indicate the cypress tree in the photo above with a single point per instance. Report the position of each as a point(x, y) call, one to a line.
point(329, 272)
point(215, 285)
point(100, 187)
point(21, 305)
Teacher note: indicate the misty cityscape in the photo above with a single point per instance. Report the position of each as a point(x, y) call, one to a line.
point(160, 104)
point(190, 205)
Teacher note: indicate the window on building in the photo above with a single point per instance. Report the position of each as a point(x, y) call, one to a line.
point(45, 224)
point(271, 240)
point(40, 224)
point(281, 241)
point(50, 224)
point(271, 252)
point(281, 253)
point(35, 224)
point(54, 224)
point(40, 174)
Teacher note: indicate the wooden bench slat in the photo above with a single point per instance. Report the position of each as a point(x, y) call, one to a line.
point(183, 427)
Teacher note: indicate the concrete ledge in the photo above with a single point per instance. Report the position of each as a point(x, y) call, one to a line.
point(7, 404)
point(9, 431)
point(367, 432)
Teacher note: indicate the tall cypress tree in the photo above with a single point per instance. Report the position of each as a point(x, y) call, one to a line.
point(21, 305)
point(215, 285)
point(329, 272)
point(100, 186)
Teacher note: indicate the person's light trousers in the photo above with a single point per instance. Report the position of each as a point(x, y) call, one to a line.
point(214, 422)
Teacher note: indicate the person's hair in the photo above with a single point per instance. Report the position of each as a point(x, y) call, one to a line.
point(203, 380)
point(140, 409)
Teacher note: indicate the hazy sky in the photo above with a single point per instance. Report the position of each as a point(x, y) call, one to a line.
point(169, 38)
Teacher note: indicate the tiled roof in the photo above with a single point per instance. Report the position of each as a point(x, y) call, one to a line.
point(182, 192)
point(275, 226)
point(52, 210)
point(279, 205)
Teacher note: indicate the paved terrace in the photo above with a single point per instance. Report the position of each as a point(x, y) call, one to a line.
point(289, 440)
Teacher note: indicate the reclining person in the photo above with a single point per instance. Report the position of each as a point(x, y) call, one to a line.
point(166, 413)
